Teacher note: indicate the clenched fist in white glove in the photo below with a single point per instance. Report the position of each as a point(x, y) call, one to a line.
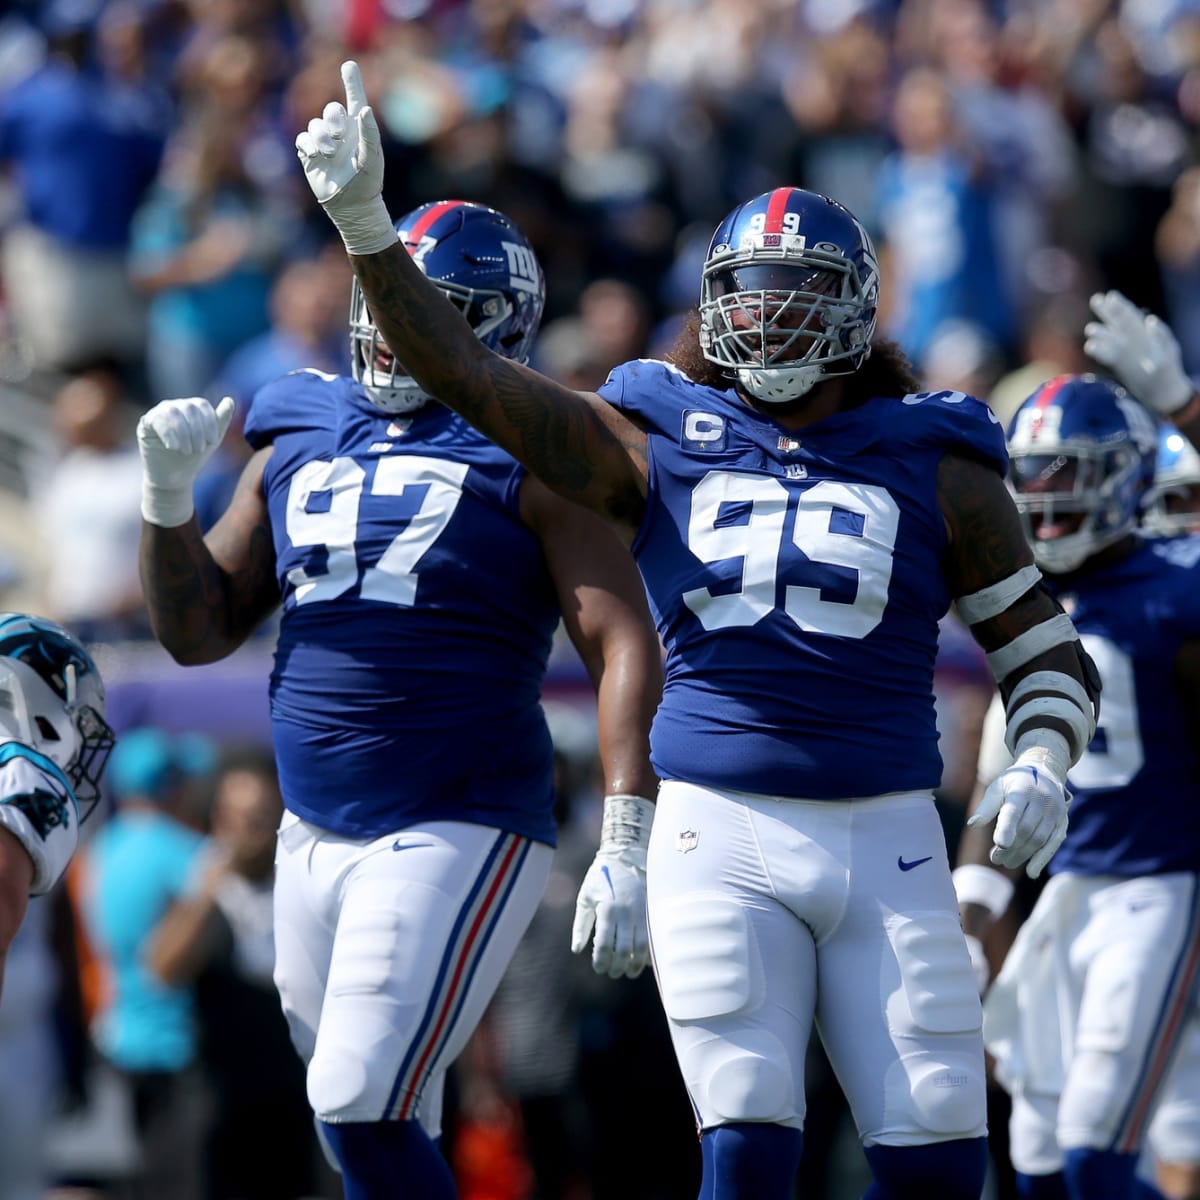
point(343, 163)
point(612, 896)
point(1140, 350)
point(1028, 802)
point(175, 439)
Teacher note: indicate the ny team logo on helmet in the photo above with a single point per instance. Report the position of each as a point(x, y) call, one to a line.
point(484, 265)
point(52, 698)
point(789, 294)
point(1081, 454)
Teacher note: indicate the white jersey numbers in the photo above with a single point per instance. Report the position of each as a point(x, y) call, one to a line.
point(391, 579)
point(839, 524)
point(1115, 754)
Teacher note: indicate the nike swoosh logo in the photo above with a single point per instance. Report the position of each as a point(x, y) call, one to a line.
point(916, 862)
point(608, 879)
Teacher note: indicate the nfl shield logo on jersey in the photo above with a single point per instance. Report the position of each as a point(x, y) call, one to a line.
point(688, 839)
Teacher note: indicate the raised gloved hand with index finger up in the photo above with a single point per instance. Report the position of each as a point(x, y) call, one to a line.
point(342, 158)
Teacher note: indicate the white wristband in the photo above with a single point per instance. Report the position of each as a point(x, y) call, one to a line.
point(365, 230)
point(976, 884)
point(627, 821)
point(167, 507)
point(1045, 748)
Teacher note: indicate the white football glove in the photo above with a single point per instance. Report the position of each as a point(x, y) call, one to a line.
point(1028, 802)
point(1140, 350)
point(343, 163)
point(175, 439)
point(612, 896)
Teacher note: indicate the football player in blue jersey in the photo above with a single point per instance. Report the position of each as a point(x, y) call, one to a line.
point(422, 573)
point(1088, 1013)
point(54, 743)
point(802, 516)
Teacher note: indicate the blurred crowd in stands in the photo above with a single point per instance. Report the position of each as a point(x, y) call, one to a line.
point(157, 239)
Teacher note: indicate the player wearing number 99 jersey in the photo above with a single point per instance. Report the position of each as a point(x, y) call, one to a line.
point(1088, 1014)
point(421, 573)
point(802, 516)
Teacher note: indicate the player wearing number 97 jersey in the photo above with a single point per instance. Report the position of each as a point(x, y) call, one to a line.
point(1088, 1014)
point(802, 516)
point(421, 573)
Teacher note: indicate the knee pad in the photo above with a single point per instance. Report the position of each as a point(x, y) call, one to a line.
point(744, 1081)
point(945, 1093)
point(949, 1094)
point(337, 1088)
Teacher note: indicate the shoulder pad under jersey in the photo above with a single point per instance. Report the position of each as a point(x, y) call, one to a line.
point(655, 390)
point(949, 420)
point(304, 399)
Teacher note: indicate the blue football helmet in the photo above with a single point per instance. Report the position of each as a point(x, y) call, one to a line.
point(789, 294)
point(1081, 458)
point(52, 699)
point(1172, 505)
point(483, 264)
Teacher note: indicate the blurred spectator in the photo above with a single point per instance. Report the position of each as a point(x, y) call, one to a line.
point(218, 938)
point(1022, 138)
point(616, 320)
point(212, 232)
point(88, 511)
point(563, 352)
point(309, 303)
point(1052, 345)
point(1135, 144)
point(838, 95)
point(935, 210)
point(1177, 245)
point(83, 149)
point(961, 357)
point(39, 1004)
point(612, 326)
point(134, 868)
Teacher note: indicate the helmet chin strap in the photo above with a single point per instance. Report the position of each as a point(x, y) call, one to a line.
point(780, 384)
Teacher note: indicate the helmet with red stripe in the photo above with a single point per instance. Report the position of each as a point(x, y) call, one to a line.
point(789, 294)
point(1081, 458)
point(483, 264)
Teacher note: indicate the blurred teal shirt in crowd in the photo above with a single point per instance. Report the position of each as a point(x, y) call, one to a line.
point(138, 864)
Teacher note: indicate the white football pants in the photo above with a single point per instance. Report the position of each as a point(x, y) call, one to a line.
point(767, 913)
point(1087, 1017)
point(388, 952)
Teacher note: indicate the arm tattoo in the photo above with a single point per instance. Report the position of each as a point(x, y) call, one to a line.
point(200, 612)
point(556, 433)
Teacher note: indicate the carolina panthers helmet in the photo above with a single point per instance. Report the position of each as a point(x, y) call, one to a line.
point(789, 293)
point(1172, 505)
point(1081, 455)
point(52, 699)
point(483, 264)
